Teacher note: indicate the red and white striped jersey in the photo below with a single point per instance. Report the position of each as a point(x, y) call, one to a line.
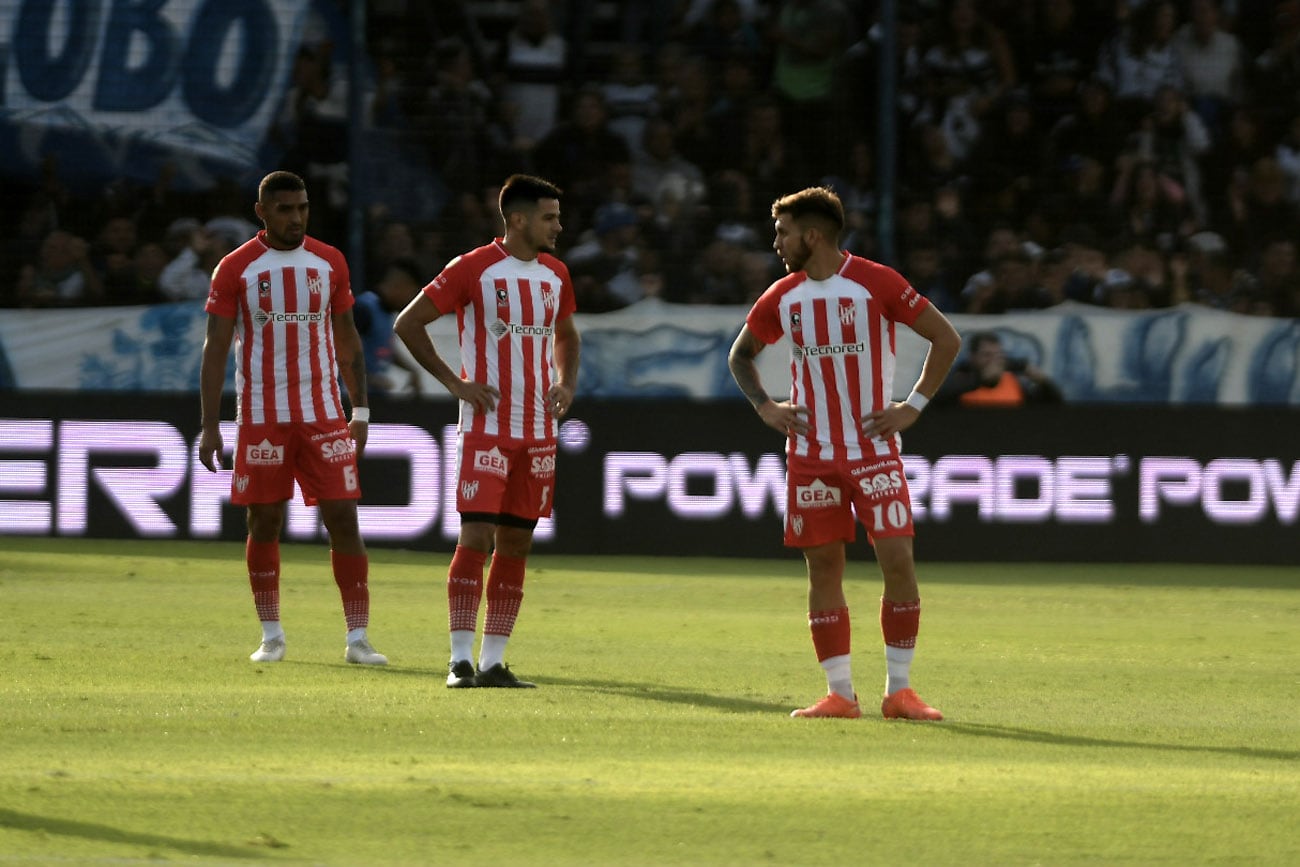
point(283, 302)
point(842, 353)
point(506, 311)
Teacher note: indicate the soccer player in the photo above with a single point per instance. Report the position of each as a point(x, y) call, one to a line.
point(284, 298)
point(842, 429)
point(519, 349)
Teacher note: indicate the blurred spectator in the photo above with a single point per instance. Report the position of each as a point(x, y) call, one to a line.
point(1015, 286)
point(924, 268)
point(688, 109)
point(189, 275)
point(1095, 130)
point(657, 165)
point(604, 268)
point(62, 275)
point(1174, 139)
point(313, 130)
point(1279, 277)
point(1001, 240)
point(1057, 59)
point(1230, 159)
point(726, 30)
point(144, 287)
point(856, 188)
point(532, 62)
point(1258, 208)
point(718, 274)
point(1275, 75)
point(112, 256)
point(1006, 164)
point(1212, 62)
point(1139, 59)
point(630, 97)
point(1147, 207)
point(986, 377)
point(1288, 158)
point(374, 313)
point(810, 36)
point(968, 68)
point(581, 155)
point(766, 155)
point(1211, 278)
point(1120, 290)
point(454, 123)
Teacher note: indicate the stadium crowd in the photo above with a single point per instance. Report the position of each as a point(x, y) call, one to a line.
point(1124, 153)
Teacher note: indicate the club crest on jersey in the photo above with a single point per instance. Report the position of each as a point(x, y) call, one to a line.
point(503, 297)
point(468, 490)
point(796, 524)
point(548, 296)
point(848, 313)
point(796, 321)
point(264, 288)
point(241, 483)
point(315, 284)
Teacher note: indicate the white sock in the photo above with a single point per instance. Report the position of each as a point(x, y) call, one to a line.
point(839, 675)
point(356, 635)
point(898, 664)
point(462, 645)
point(493, 651)
point(271, 630)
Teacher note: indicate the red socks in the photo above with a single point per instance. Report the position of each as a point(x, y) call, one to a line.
point(900, 621)
point(350, 573)
point(830, 632)
point(263, 560)
point(505, 592)
point(465, 588)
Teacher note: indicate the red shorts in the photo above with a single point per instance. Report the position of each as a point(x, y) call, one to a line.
point(320, 456)
point(821, 497)
point(505, 477)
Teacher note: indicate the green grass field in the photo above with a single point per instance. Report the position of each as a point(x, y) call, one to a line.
point(1097, 714)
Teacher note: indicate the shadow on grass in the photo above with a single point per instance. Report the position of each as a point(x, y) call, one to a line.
point(106, 834)
point(655, 692)
point(1062, 740)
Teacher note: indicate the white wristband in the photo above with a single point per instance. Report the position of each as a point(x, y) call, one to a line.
point(917, 401)
point(361, 413)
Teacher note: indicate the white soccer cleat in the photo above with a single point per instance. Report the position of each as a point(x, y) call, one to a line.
point(271, 650)
point(361, 653)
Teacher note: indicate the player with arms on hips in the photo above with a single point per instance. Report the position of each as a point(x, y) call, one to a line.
point(839, 311)
point(514, 305)
point(285, 301)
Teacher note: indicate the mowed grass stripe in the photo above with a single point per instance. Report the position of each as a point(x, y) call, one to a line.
point(1097, 714)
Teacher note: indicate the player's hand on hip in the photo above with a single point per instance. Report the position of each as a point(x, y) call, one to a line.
point(482, 397)
point(785, 417)
point(210, 449)
point(884, 423)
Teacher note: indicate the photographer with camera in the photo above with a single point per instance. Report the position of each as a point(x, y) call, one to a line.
point(986, 377)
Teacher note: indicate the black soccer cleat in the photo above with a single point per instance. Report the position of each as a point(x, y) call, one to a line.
point(460, 674)
point(501, 676)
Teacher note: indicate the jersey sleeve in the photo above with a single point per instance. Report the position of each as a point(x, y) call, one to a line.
point(449, 291)
point(764, 318)
point(223, 294)
point(900, 301)
point(341, 298)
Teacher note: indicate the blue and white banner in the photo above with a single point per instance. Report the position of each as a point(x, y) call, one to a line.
point(1183, 355)
point(114, 88)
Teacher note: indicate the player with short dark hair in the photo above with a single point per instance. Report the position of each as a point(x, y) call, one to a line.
point(285, 300)
point(519, 348)
point(842, 427)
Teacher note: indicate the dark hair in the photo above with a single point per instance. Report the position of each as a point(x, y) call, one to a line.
point(409, 267)
point(522, 191)
point(979, 338)
point(279, 182)
point(815, 203)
